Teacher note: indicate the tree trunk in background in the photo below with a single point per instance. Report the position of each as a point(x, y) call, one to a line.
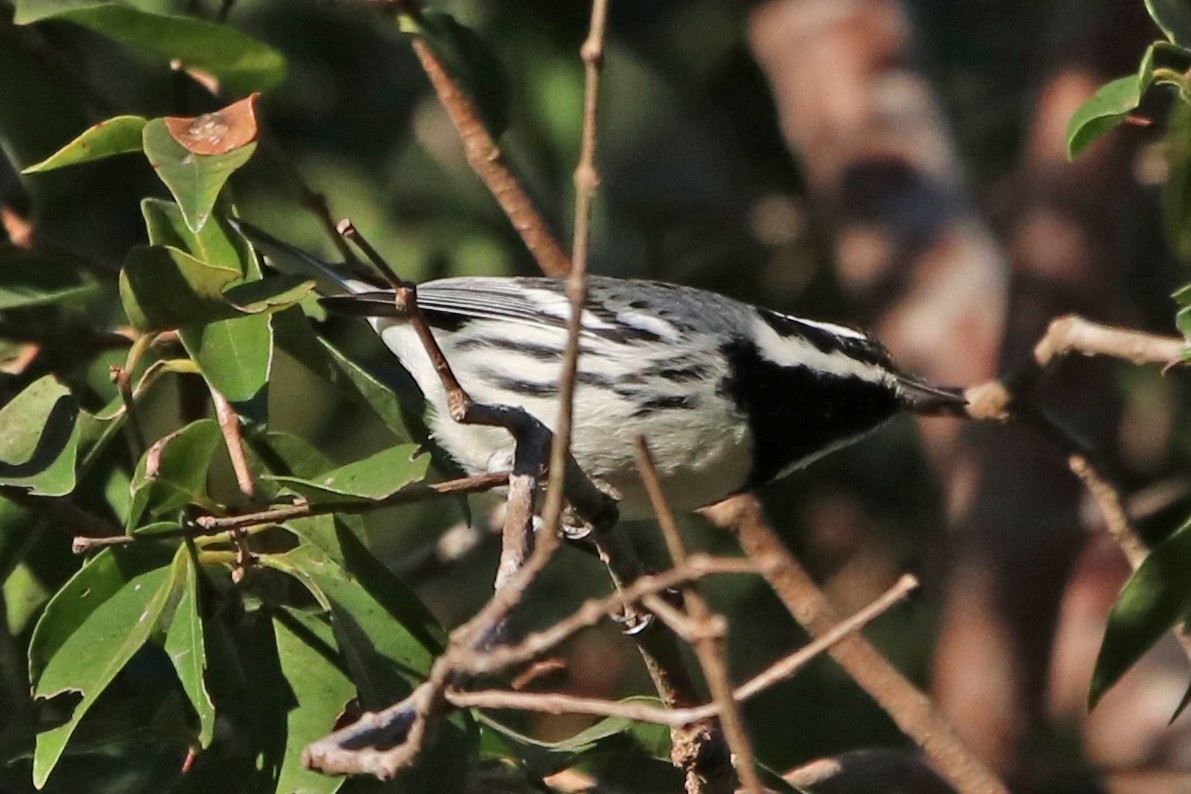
point(961, 299)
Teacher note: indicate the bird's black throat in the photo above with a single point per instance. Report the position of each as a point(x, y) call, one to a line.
point(796, 412)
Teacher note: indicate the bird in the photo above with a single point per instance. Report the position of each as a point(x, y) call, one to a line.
point(729, 396)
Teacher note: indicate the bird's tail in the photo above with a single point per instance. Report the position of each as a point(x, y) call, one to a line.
point(329, 278)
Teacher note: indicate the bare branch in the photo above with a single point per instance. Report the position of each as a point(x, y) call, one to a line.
point(910, 708)
point(776, 673)
point(708, 644)
point(1074, 334)
point(214, 525)
point(488, 161)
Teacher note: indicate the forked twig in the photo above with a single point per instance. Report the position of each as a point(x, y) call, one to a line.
point(906, 704)
point(708, 644)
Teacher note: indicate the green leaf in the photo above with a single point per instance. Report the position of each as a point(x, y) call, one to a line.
point(306, 648)
point(185, 646)
point(1174, 17)
point(239, 62)
point(468, 59)
point(39, 439)
point(1176, 193)
point(609, 735)
point(32, 278)
point(162, 287)
point(1104, 111)
point(350, 379)
point(215, 244)
point(1156, 598)
point(390, 625)
point(173, 472)
point(194, 179)
point(91, 629)
point(118, 135)
point(375, 477)
point(235, 356)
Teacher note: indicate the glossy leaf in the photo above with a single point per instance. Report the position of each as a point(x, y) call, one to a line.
point(217, 243)
point(1104, 111)
point(194, 180)
point(349, 378)
point(1174, 17)
point(185, 646)
point(91, 629)
point(173, 472)
point(162, 287)
point(240, 63)
point(306, 648)
point(119, 135)
point(235, 356)
point(32, 278)
point(1156, 598)
point(1176, 193)
point(382, 621)
point(39, 439)
point(372, 478)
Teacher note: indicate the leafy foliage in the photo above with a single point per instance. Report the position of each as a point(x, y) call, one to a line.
point(1156, 598)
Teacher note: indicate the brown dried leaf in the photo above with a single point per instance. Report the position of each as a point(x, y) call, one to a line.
point(218, 132)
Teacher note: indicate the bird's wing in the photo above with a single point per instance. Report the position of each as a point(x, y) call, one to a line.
point(535, 301)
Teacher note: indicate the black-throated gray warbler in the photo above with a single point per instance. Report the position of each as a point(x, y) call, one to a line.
point(729, 396)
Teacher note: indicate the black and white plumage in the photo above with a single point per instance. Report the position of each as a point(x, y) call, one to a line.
point(729, 396)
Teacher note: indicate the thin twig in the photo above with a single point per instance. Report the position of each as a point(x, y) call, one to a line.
point(594, 610)
point(1074, 334)
point(215, 525)
point(774, 674)
point(229, 426)
point(910, 708)
point(708, 645)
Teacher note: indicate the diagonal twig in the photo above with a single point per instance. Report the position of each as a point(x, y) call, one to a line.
point(708, 644)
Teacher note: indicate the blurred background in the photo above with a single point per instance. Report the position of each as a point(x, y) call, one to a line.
point(900, 166)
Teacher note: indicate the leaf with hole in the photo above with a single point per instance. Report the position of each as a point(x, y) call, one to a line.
point(91, 629)
point(1155, 599)
point(119, 135)
point(39, 439)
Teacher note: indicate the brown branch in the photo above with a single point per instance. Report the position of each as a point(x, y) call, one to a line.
point(1074, 334)
point(708, 644)
point(215, 525)
point(910, 708)
point(229, 426)
point(594, 610)
point(489, 163)
point(781, 670)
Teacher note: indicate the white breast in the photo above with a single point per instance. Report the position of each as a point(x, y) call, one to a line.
point(702, 454)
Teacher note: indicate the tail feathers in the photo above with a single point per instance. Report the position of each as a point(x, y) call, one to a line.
point(330, 279)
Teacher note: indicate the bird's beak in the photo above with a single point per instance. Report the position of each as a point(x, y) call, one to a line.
point(927, 400)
